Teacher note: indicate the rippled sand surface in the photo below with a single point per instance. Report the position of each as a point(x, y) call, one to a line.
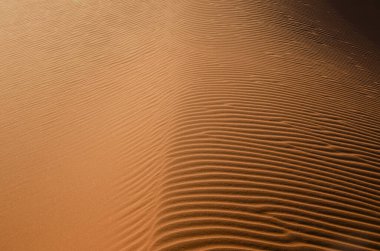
point(189, 125)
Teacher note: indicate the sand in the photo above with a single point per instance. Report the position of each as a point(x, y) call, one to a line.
point(189, 125)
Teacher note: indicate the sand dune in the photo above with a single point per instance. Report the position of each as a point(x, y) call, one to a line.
point(189, 125)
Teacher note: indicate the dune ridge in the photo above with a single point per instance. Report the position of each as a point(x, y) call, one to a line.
point(271, 149)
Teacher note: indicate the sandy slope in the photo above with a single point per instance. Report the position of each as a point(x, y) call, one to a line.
point(188, 125)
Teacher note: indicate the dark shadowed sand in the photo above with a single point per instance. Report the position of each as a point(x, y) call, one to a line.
point(189, 125)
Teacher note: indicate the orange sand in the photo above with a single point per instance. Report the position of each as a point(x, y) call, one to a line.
point(189, 125)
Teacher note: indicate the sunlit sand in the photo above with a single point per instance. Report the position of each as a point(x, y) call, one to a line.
point(189, 125)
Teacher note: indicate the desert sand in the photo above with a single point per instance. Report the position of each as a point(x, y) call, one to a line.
point(189, 125)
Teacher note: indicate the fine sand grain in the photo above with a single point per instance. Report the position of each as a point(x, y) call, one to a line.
point(189, 125)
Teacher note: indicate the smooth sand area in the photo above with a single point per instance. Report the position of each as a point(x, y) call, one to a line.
point(189, 125)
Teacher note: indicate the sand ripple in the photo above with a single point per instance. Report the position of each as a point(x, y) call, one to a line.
point(187, 125)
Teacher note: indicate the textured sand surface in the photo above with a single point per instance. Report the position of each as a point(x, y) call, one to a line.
point(189, 125)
